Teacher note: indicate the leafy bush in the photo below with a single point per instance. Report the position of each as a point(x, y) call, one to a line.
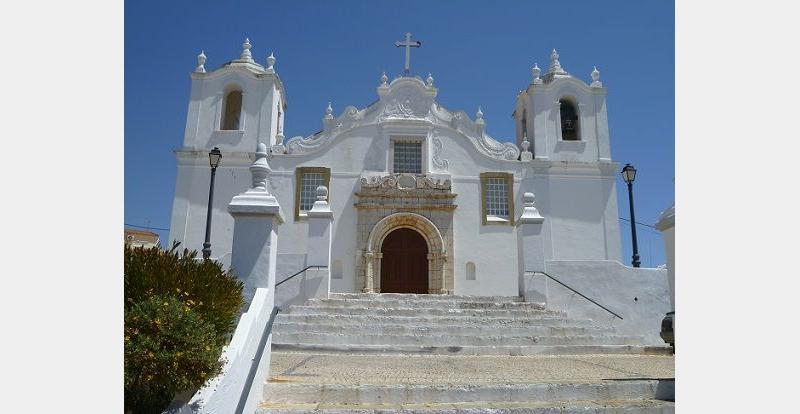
point(201, 284)
point(168, 348)
point(179, 313)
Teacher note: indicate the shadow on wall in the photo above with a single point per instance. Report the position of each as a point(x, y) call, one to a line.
point(639, 295)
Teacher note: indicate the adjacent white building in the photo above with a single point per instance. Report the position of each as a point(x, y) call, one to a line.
point(424, 199)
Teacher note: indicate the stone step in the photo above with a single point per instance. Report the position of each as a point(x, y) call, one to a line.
point(334, 310)
point(343, 327)
point(323, 338)
point(413, 297)
point(276, 393)
point(423, 303)
point(494, 407)
point(512, 350)
point(461, 320)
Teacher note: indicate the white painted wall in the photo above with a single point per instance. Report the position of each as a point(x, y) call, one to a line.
point(573, 182)
point(639, 295)
point(666, 224)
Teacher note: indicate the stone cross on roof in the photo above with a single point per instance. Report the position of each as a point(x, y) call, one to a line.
point(408, 44)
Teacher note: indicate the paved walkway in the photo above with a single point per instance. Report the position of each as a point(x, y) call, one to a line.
point(315, 368)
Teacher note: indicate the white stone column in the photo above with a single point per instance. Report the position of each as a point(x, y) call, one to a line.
point(256, 216)
point(376, 281)
point(532, 287)
point(432, 275)
point(317, 281)
point(369, 286)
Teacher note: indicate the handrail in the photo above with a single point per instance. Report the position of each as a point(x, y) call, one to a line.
point(581, 294)
point(251, 373)
point(301, 271)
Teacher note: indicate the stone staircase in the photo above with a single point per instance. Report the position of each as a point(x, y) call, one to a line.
point(365, 353)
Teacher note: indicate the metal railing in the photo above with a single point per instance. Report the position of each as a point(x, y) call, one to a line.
point(579, 293)
point(301, 271)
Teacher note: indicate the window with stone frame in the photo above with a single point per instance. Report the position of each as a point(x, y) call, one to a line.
point(307, 181)
point(497, 198)
point(407, 157)
point(569, 121)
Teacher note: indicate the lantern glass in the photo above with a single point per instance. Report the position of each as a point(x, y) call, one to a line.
point(628, 173)
point(214, 157)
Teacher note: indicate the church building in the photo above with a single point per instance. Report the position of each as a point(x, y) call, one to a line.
point(424, 199)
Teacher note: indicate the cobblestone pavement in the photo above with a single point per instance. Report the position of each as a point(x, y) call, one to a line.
point(317, 368)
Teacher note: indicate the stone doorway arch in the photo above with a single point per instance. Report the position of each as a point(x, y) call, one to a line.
point(437, 253)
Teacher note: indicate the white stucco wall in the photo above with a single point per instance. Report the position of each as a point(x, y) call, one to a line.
point(639, 295)
point(573, 181)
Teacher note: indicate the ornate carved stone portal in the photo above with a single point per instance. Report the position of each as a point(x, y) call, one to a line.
point(413, 201)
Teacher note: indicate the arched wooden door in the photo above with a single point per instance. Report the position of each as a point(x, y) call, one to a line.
point(404, 266)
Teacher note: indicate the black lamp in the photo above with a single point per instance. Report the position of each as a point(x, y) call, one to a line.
point(628, 175)
point(214, 158)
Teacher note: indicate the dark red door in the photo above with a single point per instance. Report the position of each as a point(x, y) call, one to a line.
point(404, 267)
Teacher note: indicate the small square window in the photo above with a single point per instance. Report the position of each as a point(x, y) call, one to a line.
point(408, 157)
point(497, 201)
point(308, 179)
point(308, 190)
point(497, 198)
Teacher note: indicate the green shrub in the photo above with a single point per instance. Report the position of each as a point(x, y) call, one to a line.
point(179, 313)
point(201, 284)
point(168, 348)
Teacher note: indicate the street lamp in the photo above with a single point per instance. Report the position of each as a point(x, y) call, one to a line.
point(214, 157)
point(629, 174)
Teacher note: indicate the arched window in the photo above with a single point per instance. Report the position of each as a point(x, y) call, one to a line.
point(232, 110)
point(569, 121)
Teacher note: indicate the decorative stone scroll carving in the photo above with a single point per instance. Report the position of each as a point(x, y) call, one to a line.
point(438, 162)
point(404, 182)
point(406, 99)
point(486, 144)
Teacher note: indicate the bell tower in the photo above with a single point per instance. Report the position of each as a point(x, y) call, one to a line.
point(235, 106)
point(563, 118)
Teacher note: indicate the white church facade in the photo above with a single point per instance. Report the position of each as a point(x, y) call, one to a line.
point(424, 200)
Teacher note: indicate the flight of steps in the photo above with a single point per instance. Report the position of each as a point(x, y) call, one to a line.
point(451, 328)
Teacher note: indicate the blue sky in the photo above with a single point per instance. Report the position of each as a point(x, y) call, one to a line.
point(479, 52)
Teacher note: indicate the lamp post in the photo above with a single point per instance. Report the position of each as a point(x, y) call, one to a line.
point(214, 157)
point(629, 174)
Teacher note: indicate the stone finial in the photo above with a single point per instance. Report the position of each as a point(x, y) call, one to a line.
point(596, 79)
point(322, 193)
point(529, 199)
point(554, 63)
point(384, 79)
point(257, 200)
point(329, 111)
point(246, 55)
point(279, 148)
point(529, 212)
point(526, 154)
point(479, 122)
point(201, 61)
point(321, 208)
point(555, 66)
point(260, 169)
point(429, 81)
point(535, 71)
point(270, 62)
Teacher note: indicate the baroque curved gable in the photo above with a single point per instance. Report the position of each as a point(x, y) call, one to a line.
point(405, 99)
